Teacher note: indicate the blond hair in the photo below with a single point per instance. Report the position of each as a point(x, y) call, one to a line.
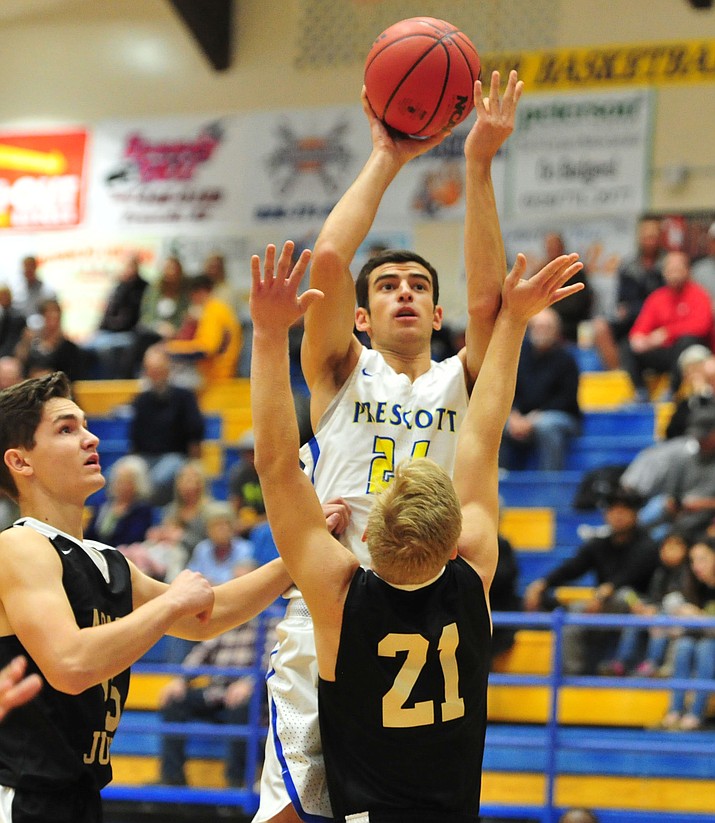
point(414, 524)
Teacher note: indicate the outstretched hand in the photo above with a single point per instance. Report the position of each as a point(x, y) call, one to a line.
point(275, 304)
point(401, 147)
point(525, 298)
point(495, 117)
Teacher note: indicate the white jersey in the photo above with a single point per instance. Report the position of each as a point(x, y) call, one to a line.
point(377, 419)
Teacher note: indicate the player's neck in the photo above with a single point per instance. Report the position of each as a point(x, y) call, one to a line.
point(412, 363)
point(66, 517)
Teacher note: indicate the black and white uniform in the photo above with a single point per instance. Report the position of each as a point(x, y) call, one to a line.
point(378, 418)
point(54, 751)
point(407, 710)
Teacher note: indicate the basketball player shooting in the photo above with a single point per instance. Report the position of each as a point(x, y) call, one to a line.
point(403, 650)
point(365, 402)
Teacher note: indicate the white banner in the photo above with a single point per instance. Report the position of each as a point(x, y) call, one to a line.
point(164, 173)
point(579, 155)
point(296, 164)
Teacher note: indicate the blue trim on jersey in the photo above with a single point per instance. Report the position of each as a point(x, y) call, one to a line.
point(288, 780)
point(314, 447)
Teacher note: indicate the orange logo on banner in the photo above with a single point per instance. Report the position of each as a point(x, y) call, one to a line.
point(41, 180)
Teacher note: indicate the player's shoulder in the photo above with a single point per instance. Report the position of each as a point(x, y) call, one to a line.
point(20, 535)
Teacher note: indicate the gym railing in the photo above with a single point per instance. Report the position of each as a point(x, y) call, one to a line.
point(552, 741)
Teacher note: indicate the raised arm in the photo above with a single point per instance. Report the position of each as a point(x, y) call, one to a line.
point(330, 350)
point(476, 471)
point(484, 255)
point(320, 566)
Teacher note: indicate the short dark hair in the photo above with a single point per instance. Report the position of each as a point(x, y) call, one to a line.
point(21, 409)
point(391, 256)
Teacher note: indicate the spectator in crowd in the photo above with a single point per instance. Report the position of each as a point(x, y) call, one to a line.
point(697, 388)
point(623, 561)
point(35, 292)
point(683, 495)
point(167, 426)
point(575, 309)
point(504, 596)
point(222, 700)
point(43, 347)
point(545, 414)
point(215, 268)
point(244, 487)
point(672, 318)
point(126, 515)
point(185, 515)
point(209, 342)
point(164, 305)
point(695, 650)
point(115, 334)
point(222, 554)
point(670, 588)
point(636, 279)
point(704, 269)
point(169, 546)
point(12, 323)
point(10, 371)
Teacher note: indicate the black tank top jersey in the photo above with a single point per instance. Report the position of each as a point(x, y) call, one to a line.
point(403, 724)
point(59, 739)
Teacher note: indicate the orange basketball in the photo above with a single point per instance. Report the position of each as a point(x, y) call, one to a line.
point(419, 76)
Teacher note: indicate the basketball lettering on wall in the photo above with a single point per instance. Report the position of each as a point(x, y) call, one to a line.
point(419, 76)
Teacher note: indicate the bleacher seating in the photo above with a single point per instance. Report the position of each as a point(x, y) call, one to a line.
point(540, 521)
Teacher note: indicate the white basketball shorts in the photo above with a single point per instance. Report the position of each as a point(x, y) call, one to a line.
point(293, 770)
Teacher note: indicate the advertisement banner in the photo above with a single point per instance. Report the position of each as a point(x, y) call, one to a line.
point(42, 180)
point(164, 173)
point(581, 154)
point(296, 164)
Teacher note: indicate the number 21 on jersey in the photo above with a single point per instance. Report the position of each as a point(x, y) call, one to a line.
point(395, 713)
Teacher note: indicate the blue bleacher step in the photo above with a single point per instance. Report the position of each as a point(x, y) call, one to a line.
point(592, 452)
point(110, 428)
point(582, 748)
point(526, 489)
point(628, 422)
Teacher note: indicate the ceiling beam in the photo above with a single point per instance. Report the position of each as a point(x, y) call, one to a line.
point(211, 24)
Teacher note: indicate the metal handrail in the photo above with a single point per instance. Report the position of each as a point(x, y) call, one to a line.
point(254, 731)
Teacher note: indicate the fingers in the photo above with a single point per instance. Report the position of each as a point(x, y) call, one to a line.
point(285, 260)
point(518, 269)
point(14, 691)
point(269, 262)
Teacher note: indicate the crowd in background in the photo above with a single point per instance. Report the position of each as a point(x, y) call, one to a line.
point(654, 554)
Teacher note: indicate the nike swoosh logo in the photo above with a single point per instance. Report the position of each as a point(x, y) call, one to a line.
point(366, 373)
point(65, 551)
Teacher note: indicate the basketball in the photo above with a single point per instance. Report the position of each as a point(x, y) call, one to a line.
point(419, 76)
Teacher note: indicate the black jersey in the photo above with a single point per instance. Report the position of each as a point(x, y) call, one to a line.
point(403, 723)
point(59, 739)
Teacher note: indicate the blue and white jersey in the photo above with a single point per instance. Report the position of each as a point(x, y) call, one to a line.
point(376, 420)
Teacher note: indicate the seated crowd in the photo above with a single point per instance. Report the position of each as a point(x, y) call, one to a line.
point(654, 555)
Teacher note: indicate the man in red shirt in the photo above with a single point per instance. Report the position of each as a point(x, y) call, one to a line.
point(673, 317)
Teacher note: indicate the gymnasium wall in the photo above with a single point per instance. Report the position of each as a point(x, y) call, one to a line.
point(82, 61)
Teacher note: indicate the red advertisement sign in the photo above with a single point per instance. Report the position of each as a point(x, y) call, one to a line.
point(42, 180)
